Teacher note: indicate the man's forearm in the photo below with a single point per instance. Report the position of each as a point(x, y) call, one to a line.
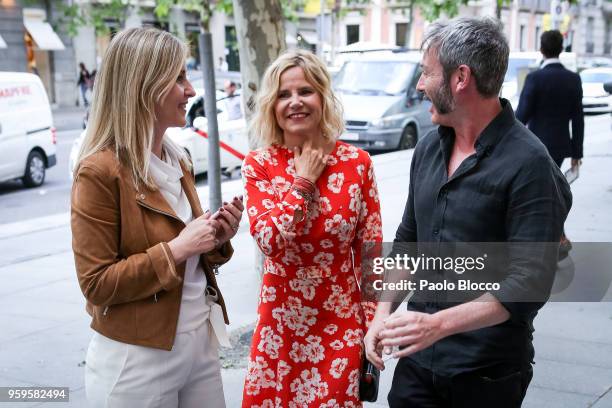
point(482, 312)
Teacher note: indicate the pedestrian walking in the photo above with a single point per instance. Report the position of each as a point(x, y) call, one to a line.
point(312, 203)
point(84, 82)
point(551, 99)
point(232, 102)
point(145, 251)
point(480, 177)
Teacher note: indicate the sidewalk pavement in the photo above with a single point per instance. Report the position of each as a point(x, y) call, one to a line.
point(68, 118)
point(45, 330)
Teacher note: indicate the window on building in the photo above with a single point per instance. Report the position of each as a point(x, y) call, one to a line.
point(543, 6)
point(162, 25)
point(352, 34)
point(192, 33)
point(537, 37)
point(522, 37)
point(590, 28)
point(400, 34)
point(231, 45)
point(103, 40)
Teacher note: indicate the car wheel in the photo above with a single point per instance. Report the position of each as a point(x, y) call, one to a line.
point(409, 138)
point(34, 174)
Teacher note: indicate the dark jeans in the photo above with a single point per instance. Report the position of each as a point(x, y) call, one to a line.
point(499, 387)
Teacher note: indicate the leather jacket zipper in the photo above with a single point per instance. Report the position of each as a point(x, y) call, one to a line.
point(160, 211)
point(215, 267)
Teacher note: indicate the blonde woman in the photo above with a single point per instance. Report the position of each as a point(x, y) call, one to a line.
point(144, 250)
point(312, 203)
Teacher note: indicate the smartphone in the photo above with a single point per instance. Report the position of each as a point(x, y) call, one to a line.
point(572, 174)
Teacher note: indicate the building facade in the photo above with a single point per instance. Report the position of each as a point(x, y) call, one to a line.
point(30, 44)
point(586, 25)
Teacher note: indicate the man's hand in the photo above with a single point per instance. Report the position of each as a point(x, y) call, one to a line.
point(413, 330)
point(576, 163)
point(373, 348)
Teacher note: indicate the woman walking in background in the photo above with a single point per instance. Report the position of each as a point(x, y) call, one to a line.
point(84, 82)
point(312, 203)
point(145, 252)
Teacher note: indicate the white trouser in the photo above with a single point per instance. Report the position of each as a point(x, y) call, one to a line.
point(120, 375)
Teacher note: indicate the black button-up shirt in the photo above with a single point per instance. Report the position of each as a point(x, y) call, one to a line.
point(510, 190)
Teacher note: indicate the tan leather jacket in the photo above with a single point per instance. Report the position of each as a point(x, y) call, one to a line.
point(124, 265)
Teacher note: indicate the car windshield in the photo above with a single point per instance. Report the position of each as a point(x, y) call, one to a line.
point(596, 77)
point(374, 77)
point(514, 65)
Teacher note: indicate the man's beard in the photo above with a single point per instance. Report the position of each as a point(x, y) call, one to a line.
point(443, 99)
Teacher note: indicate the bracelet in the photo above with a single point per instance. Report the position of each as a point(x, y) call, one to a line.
point(303, 183)
point(306, 189)
point(308, 196)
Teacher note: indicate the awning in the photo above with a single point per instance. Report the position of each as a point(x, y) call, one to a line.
point(309, 36)
point(2, 42)
point(43, 35)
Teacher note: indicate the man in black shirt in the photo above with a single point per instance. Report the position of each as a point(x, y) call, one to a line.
point(481, 177)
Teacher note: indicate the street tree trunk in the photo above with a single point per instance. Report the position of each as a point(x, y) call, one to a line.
point(261, 38)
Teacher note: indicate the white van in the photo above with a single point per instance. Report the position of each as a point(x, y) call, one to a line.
point(27, 135)
point(382, 108)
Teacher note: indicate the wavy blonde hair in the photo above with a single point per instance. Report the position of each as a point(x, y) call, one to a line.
point(138, 70)
point(264, 126)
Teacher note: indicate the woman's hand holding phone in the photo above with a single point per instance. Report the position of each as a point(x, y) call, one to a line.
point(228, 218)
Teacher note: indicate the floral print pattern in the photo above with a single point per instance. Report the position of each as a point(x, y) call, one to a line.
point(307, 346)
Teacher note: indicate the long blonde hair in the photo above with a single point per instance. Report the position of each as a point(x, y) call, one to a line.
point(264, 126)
point(138, 70)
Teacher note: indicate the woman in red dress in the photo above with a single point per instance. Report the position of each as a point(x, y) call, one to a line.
point(312, 203)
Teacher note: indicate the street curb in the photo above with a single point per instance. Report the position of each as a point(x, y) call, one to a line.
point(30, 226)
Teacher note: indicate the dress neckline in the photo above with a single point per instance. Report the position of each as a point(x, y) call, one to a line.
point(286, 149)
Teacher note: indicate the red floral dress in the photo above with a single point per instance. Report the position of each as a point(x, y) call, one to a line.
point(307, 346)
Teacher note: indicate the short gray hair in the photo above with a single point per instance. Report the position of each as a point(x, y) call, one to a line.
point(478, 43)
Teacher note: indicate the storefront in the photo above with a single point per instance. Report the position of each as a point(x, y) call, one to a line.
point(39, 39)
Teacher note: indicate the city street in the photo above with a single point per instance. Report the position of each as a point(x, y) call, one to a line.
point(18, 203)
point(45, 329)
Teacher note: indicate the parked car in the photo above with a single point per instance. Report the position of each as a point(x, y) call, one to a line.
point(232, 133)
point(520, 64)
point(595, 99)
point(382, 108)
point(594, 62)
point(27, 135)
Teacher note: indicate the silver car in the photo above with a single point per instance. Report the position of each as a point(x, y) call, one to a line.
point(382, 108)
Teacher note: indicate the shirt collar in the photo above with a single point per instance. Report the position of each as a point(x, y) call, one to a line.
point(491, 133)
point(549, 61)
